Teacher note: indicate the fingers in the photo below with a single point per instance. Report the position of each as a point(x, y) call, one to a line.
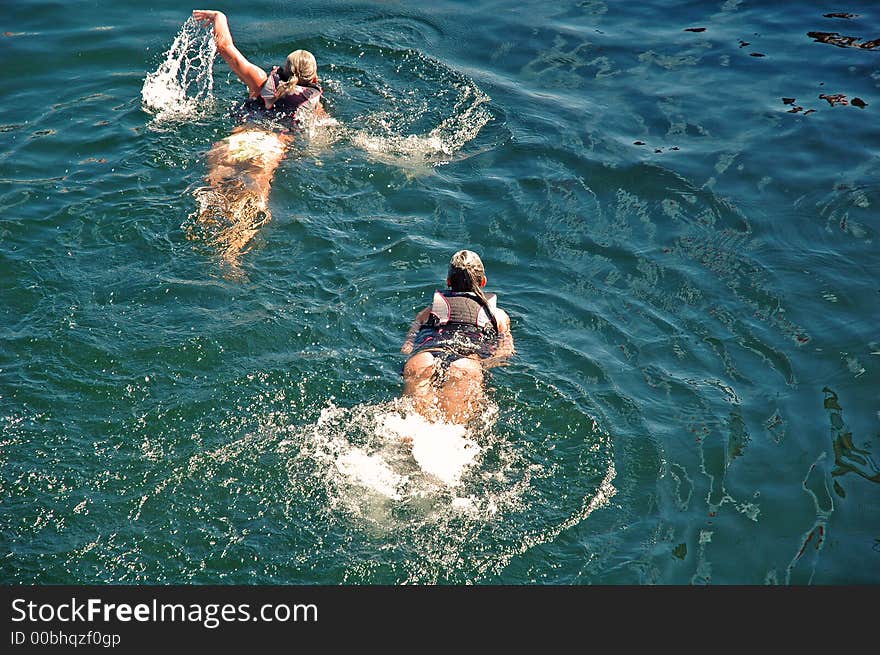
point(206, 15)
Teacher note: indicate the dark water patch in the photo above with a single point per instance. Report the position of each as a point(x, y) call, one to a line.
point(848, 458)
point(796, 109)
point(834, 98)
point(657, 151)
point(833, 38)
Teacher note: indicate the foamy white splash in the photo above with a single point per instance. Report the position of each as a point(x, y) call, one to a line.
point(181, 87)
point(442, 450)
point(383, 141)
point(371, 472)
point(402, 455)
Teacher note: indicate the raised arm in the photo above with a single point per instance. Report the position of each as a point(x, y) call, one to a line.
point(419, 320)
point(253, 76)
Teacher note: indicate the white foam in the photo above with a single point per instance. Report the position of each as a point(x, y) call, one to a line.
point(371, 471)
point(413, 145)
point(441, 449)
point(388, 470)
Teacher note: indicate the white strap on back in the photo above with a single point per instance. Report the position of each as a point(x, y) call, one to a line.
point(440, 308)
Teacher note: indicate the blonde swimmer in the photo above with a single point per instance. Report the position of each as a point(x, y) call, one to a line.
point(234, 204)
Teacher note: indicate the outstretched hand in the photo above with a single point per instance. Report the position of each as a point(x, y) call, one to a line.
point(205, 15)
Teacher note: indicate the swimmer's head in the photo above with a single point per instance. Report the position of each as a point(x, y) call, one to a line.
point(302, 64)
point(466, 272)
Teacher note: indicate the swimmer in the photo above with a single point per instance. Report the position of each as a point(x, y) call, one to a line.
point(452, 341)
point(241, 166)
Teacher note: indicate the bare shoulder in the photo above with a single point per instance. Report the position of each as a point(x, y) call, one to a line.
point(503, 320)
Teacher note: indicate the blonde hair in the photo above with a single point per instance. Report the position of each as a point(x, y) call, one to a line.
point(301, 64)
point(299, 68)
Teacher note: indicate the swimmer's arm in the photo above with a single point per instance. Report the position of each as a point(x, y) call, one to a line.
point(417, 323)
point(252, 75)
point(505, 348)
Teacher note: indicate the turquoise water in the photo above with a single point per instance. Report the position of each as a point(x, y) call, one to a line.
point(689, 262)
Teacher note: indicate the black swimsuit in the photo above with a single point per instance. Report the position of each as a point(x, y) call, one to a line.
point(460, 325)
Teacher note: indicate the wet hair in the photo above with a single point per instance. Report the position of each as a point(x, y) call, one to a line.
point(301, 65)
point(466, 273)
point(300, 68)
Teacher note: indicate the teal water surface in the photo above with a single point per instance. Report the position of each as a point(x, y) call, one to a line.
point(673, 203)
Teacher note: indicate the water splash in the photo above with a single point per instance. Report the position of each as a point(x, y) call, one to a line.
point(181, 87)
point(391, 451)
point(442, 450)
point(422, 112)
point(384, 140)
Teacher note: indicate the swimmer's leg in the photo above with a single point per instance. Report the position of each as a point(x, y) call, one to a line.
point(418, 384)
point(461, 397)
point(227, 223)
point(235, 204)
